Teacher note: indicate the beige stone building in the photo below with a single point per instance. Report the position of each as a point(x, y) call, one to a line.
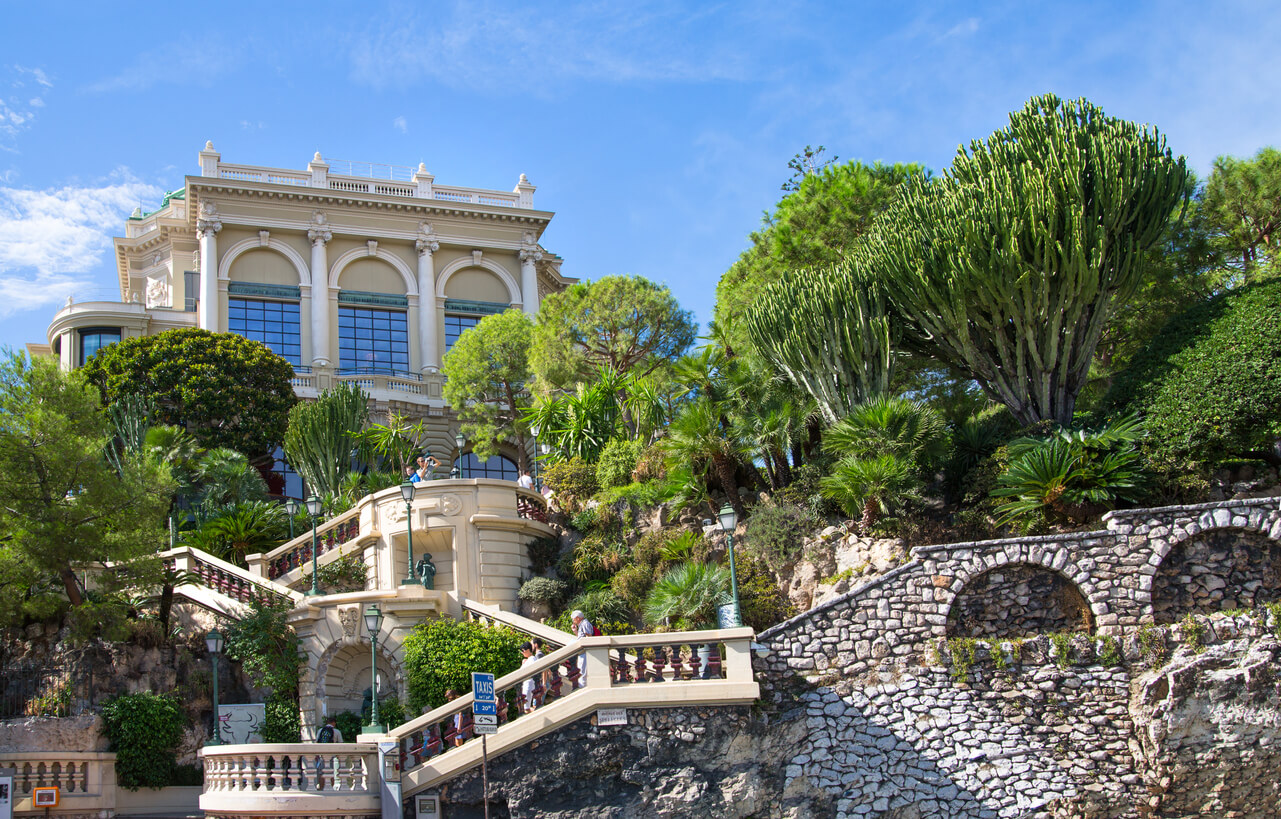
point(351, 271)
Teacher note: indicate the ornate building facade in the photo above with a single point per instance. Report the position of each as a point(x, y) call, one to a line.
point(352, 272)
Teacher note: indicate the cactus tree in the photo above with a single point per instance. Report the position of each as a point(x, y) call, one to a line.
point(1008, 264)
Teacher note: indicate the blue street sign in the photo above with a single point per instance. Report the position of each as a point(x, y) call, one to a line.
point(482, 686)
point(488, 707)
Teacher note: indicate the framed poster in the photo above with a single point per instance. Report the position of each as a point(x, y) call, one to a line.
point(6, 795)
point(44, 797)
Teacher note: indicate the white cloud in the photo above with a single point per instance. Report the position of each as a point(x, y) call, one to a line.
point(39, 75)
point(400, 125)
point(50, 239)
point(181, 62)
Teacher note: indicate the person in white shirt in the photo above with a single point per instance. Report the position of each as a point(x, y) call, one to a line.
point(528, 687)
point(582, 628)
point(524, 481)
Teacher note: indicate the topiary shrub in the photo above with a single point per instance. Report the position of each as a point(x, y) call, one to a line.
point(144, 730)
point(544, 590)
point(1209, 384)
point(776, 533)
point(443, 653)
point(573, 481)
point(617, 463)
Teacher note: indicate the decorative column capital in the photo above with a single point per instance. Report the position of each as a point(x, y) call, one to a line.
point(207, 222)
point(530, 254)
point(426, 242)
point(319, 231)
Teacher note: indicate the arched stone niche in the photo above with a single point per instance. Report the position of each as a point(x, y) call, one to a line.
point(346, 677)
point(1018, 600)
point(477, 284)
point(264, 266)
point(1217, 570)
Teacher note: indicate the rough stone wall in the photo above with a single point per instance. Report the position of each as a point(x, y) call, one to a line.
point(1018, 601)
point(1219, 570)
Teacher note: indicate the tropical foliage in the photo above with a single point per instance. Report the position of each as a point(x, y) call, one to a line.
point(324, 433)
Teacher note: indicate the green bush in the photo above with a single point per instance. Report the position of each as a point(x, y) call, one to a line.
point(775, 533)
point(544, 590)
point(349, 724)
point(687, 596)
point(632, 584)
point(267, 647)
point(763, 605)
point(635, 494)
point(573, 481)
point(188, 776)
point(617, 463)
point(443, 653)
point(282, 722)
point(346, 574)
point(598, 557)
point(144, 730)
point(391, 712)
point(606, 610)
point(1209, 384)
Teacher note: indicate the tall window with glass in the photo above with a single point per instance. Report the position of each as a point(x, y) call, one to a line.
point(274, 323)
point(373, 340)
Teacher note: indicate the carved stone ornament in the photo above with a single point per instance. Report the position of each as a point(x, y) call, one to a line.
point(349, 616)
point(426, 242)
point(395, 514)
point(530, 254)
point(158, 291)
point(319, 230)
point(208, 221)
point(450, 505)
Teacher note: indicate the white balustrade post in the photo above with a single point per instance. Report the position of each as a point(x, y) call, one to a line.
point(738, 660)
point(428, 352)
point(524, 193)
point(529, 256)
point(597, 652)
point(319, 171)
point(422, 181)
point(319, 234)
point(207, 227)
point(209, 159)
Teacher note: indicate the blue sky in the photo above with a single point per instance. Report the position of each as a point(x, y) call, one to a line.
point(658, 132)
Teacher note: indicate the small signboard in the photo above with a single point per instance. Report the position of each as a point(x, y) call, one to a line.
point(6, 796)
point(44, 797)
point(485, 707)
point(482, 686)
point(611, 716)
point(485, 724)
point(428, 807)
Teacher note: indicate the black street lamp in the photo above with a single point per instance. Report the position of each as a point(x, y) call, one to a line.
point(534, 429)
point(313, 509)
point(407, 492)
point(461, 441)
point(373, 624)
point(291, 506)
point(213, 642)
point(729, 520)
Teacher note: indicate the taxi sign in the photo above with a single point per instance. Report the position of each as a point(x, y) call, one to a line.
point(482, 686)
point(485, 708)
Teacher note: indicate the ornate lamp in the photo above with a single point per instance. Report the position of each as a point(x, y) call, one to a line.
point(213, 642)
point(407, 492)
point(291, 506)
point(373, 624)
point(313, 510)
point(729, 521)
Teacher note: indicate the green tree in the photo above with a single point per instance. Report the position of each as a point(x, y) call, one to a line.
point(825, 216)
point(442, 654)
point(63, 506)
point(1008, 265)
point(697, 438)
point(1243, 210)
point(1209, 385)
point(226, 390)
point(487, 375)
point(322, 435)
point(626, 323)
point(687, 596)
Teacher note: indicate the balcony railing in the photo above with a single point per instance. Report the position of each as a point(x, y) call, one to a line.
point(333, 779)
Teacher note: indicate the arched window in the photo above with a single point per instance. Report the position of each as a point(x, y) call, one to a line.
point(499, 467)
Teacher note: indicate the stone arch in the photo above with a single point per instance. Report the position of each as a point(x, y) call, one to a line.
point(338, 681)
point(513, 288)
point(1211, 570)
point(246, 245)
point(1018, 598)
point(411, 284)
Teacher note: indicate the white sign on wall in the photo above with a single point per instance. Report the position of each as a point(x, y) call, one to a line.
point(611, 716)
point(241, 724)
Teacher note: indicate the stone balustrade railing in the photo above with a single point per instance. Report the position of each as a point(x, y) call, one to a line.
point(223, 577)
point(641, 670)
point(86, 781)
point(329, 536)
point(316, 779)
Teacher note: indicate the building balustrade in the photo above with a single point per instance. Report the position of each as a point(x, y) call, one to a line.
point(330, 779)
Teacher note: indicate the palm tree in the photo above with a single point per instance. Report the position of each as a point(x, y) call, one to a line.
point(871, 487)
point(688, 595)
point(243, 528)
point(886, 425)
point(698, 438)
point(224, 476)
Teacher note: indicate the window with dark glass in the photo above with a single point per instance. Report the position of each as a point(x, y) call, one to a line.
point(191, 290)
point(469, 466)
point(455, 326)
point(93, 339)
point(274, 323)
point(372, 340)
point(287, 478)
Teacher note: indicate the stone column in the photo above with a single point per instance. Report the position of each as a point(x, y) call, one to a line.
point(207, 226)
point(428, 345)
point(529, 255)
point(319, 234)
